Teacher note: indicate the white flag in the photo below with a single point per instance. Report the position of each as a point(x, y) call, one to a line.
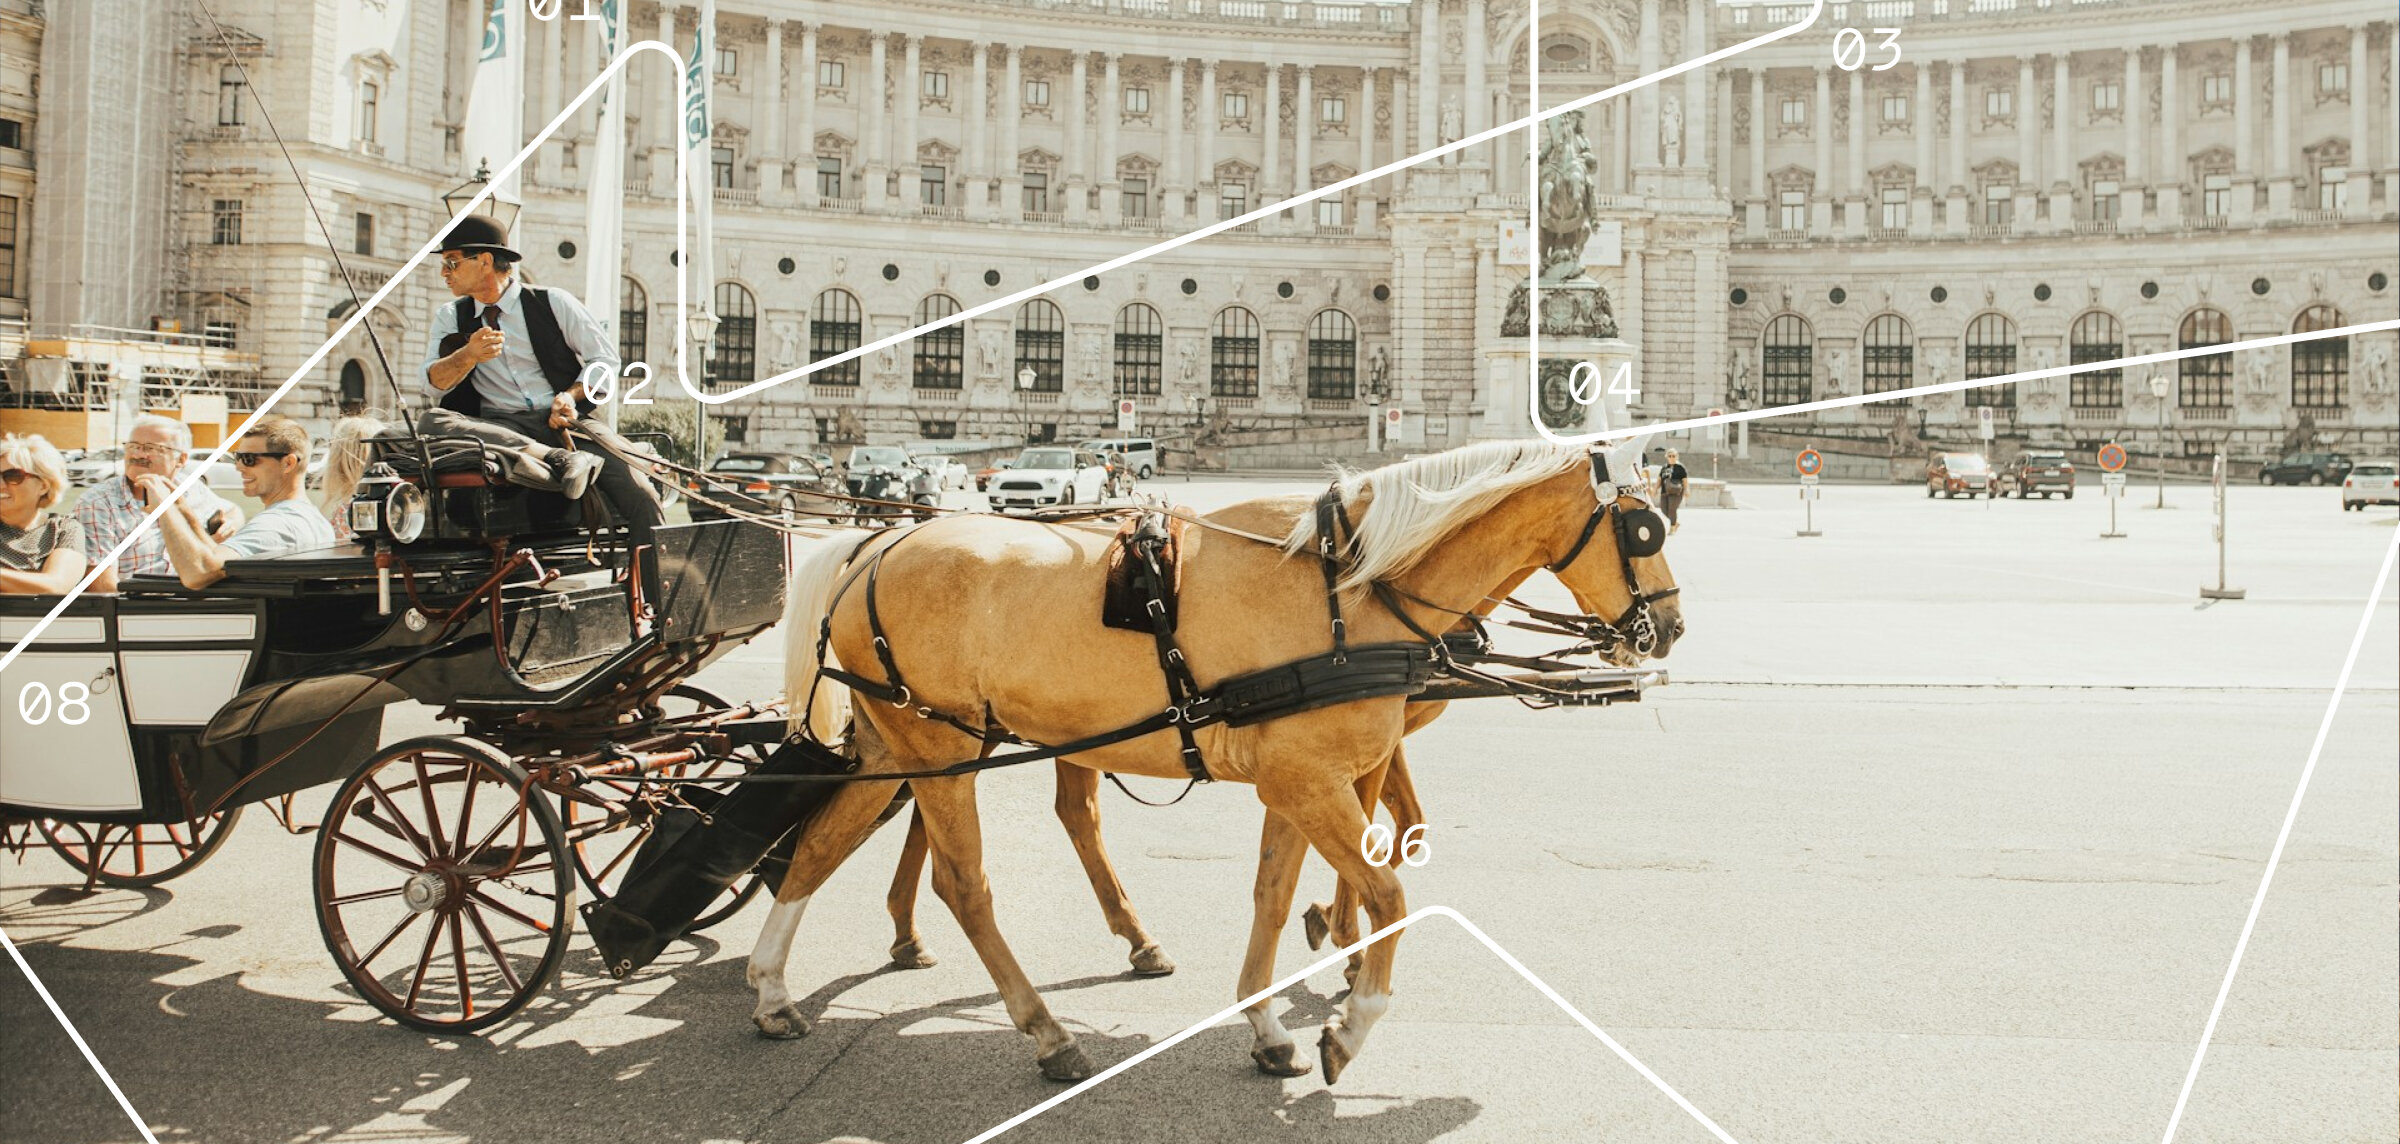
point(699, 153)
point(494, 130)
point(604, 236)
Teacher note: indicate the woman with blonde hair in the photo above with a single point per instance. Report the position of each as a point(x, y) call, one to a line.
point(344, 465)
point(41, 552)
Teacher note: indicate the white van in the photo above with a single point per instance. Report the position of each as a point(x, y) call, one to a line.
point(1140, 453)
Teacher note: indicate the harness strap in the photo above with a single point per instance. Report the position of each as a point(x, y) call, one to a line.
point(1329, 560)
point(1183, 690)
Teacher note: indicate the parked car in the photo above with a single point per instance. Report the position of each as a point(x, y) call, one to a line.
point(886, 473)
point(89, 467)
point(1051, 474)
point(2371, 482)
point(2306, 469)
point(1140, 453)
point(984, 475)
point(772, 484)
point(2043, 471)
point(1950, 474)
point(948, 472)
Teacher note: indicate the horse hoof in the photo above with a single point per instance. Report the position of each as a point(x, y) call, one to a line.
point(1151, 961)
point(1280, 1060)
point(1336, 1058)
point(1314, 924)
point(910, 955)
point(785, 1024)
point(1067, 1063)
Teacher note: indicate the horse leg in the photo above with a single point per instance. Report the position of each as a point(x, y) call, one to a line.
point(908, 946)
point(1078, 809)
point(828, 837)
point(1280, 850)
point(1339, 921)
point(956, 834)
point(1333, 822)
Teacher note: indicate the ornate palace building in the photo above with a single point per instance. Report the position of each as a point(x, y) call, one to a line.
point(2029, 182)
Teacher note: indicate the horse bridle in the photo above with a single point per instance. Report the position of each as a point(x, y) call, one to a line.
point(1639, 532)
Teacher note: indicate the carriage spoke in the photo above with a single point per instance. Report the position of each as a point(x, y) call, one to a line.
point(509, 912)
point(399, 824)
point(433, 816)
point(405, 921)
point(183, 849)
point(378, 853)
point(458, 960)
point(141, 861)
point(524, 810)
point(466, 811)
point(416, 984)
point(492, 946)
point(367, 896)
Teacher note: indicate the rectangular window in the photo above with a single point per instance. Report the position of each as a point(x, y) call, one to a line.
point(829, 177)
point(937, 85)
point(1793, 212)
point(1135, 199)
point(1137, 100)
point(1999, 103)
point(2216, 196)
point(230, 96)
point(2216, 89)
point(832, 73)
point(8, 246)
point(225, 227)
point(362, 240)
point(2333, 79)
point(933, 186)
point(2333, 188)
point(728, 62)
point(12, 134)
point(217, 335)
point(1999, 204)
point(1329, 211)
point(1037, 93)
point(1237, 105)
point(2108, 95)
point(1895, 108)
point(1795, 111)
point(1895, 208)
point(370, 99)
point(1333, 109)
point(720, 162)
point(2104, 201)
point(1233, 200)
point(1037, 192)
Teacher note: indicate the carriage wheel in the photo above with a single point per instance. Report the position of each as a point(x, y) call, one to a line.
point(135, 857)
point(443, 885)
point(604, 857)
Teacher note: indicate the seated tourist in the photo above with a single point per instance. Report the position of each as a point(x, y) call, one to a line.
point(273, 458)
point(41, 552)
point(108, 511)
point(345, 462)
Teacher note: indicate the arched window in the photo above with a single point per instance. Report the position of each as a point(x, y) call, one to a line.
point(733, 353)
point(2204, 382)
point(354, 386)
point(1139, 348)
point(1233, 354)
point(1891, 354)
point(1042, 344)
point(834, 328)
point(938, 358)
point(2321, 366)
point(1992, 351)
point(1787, 368)
point(2096, 337)
point(1332, 357)
point(633, 321)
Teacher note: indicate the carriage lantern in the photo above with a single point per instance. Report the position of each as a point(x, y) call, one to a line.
point(499, 210)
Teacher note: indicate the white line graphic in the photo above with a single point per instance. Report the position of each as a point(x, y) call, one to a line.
point(2341, 684)
point(77, 1037)
point(1326, 962)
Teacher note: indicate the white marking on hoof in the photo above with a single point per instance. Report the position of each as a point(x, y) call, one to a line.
point(1346, 1031)
point(765, 971)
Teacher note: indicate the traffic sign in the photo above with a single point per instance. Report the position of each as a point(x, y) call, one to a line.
point(1809, 462)
point(1983, 421)
point(1125, 415)
point(2113, 480)
point(2112, 459)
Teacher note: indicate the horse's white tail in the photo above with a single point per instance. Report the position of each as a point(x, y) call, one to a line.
point(816, 572)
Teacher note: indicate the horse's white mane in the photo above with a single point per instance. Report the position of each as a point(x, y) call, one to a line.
point(1416, 504)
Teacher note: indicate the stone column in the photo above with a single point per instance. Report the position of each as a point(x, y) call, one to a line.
point(1762, 196)
point(666, 130)
point(1012, 95)
point(875, 136)
point(2168, 178)
point(2391, 118)
point(2029, 133)
point(1854, 177)
point(2362, 149)
point(1645, 98)
point(1177, 181)
point(1078, 148)
point(1112, 115)
point(2136, 109)
point(2245, 136)
point(1955, 221)
point(908, 96)
point(2279, 133)
point(771, 109)
point(1695, 86)
point(977, 130)
point(2062, 137)
point(1364, 124)
point(1724, 161)
point(1479, 93)
point(1304, 132)
point(1270, 177)
point(544, 41)
point(1429, 75)
point(1820, 128)
point(1205, 178)
point(1929, 177)
point(804, 150)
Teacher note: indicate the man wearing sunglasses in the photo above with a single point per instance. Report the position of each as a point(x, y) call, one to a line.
point(157, 446)
point(273, 459)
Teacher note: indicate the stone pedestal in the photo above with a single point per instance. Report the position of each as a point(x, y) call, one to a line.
point(770, 183)
point(1505, 406)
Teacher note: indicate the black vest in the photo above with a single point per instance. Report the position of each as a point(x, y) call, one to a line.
point(559, 364)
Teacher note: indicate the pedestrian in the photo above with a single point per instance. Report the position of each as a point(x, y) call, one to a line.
point(273, 458)
point(41, 552)
point(155, 446)
point(1673, 479)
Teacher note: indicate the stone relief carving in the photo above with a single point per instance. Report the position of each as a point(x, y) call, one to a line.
point(787, 343)
point(993, 342)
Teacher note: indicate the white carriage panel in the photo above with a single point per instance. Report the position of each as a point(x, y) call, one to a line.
point(181, 688)
point(223, 626)
point(67, 629)
point(64, 766)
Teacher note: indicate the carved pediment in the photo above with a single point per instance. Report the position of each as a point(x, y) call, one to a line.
point(1235, 171)
point(2213, 161)
point(1893, 175)
point(937, 152)
point(1792, 178)
point(834, 143)
point(1137, 165)
point(1996, 171)
point(1329, 173)
point(1036, 159)
point(2106, 165)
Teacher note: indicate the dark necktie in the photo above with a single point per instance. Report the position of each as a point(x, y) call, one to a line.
point(491, 316)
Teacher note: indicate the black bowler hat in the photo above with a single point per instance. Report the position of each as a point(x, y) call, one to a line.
point(478, 234)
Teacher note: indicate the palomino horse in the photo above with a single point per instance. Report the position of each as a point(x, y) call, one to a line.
point(952, 603)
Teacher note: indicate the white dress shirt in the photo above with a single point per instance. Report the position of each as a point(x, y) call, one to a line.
point(514, 380)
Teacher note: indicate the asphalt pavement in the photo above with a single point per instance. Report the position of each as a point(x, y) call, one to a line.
point(1944, 830)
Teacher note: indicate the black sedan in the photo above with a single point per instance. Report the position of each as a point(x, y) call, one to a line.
point(2306, 469)
point(787, 485)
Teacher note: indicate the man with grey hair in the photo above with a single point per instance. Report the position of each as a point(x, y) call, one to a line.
point(157, 446)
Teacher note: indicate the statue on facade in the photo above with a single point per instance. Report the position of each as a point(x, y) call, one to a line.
point(787, 344)
point(1670, 132)
point(1573, 305)
point(1378, 367)
point(1454, 127)
point(2375, 371)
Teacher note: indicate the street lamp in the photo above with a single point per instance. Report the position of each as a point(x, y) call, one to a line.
point(498, 209)
point(1375, 441)
point(701, 326)
point(1026, 378)
point(2158, 389)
